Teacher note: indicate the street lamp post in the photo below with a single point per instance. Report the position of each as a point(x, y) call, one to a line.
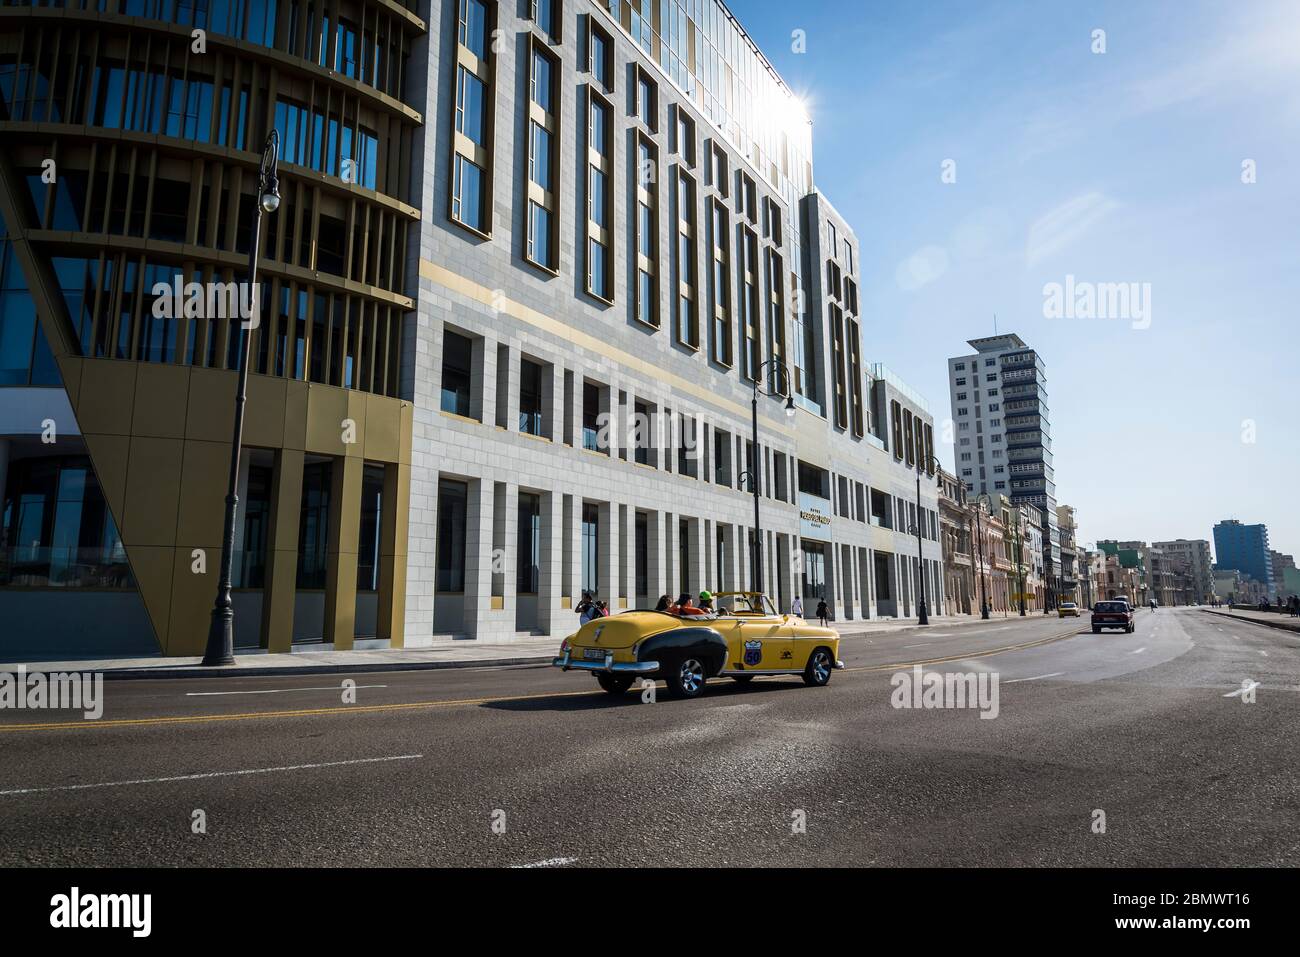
point(1020, 565)
point(221, 632)
point(752, 472)
point(979, 524)
point(922, 463)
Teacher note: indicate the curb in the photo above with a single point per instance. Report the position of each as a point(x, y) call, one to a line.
point(916, 627)
point(253, 671)
point(1254, 621)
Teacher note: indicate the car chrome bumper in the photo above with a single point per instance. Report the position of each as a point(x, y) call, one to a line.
point(839, 665)
point(567, 662)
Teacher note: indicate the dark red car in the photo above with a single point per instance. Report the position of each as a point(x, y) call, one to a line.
point(1112, 614)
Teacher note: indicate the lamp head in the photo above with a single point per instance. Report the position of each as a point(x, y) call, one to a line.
point(271, 193)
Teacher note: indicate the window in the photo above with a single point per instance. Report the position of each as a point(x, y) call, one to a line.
point(600, 55)
point(471, 143)
point(528, 555)
point(590, 548)
point(718, 168)
point(750, 319)
point(542, 241)
point(720, 285)
point(591, 417)
point(530, 397)
point(685, 312)
point(684, 137)
point(547, 15)
point(646, 232)
point(647, 101)
point(961, 396)
point(960, 366)
point(963, 411)
point(457, 360)
point(452, 499)
point(991, 377)
point(775, 306)
point(600, 152)
point(990, 362)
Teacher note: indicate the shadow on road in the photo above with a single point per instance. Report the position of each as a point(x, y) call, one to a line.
point(599, 700)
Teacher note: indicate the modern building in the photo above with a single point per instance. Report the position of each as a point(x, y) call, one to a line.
point(530, 264)
point(132, 133)
point(1195, 554)
point(1244, 548)
point(1003, 436)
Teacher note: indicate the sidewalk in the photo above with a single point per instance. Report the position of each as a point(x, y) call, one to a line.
point(1271, 618)
point(442, 653)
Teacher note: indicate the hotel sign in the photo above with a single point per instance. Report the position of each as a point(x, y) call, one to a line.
point(814, 516)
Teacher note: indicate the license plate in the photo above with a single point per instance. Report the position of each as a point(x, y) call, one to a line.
point(593, 654)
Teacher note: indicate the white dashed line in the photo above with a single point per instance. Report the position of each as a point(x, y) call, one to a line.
point(550, 862)
point(1054, 674)
point(210, 774)
point(1137, 651)
point(212, 694)
point(1250, 687)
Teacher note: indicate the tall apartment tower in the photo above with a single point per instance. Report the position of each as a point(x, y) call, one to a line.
point(1003, 434)
point(1245, 549)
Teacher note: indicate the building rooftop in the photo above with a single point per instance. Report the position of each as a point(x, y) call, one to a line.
point(1008, 340)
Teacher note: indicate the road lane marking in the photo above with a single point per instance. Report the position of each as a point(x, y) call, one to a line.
point(550, 862)
point(163, 720)
point(1054, 674)
point(1250, 687)
point(209, 774)
point(211, 694)
point(1264, 653)
point(1137, 651)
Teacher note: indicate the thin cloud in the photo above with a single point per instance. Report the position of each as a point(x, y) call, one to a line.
point(1066, 224)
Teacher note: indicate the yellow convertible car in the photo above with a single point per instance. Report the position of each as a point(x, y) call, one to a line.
point(745, 637)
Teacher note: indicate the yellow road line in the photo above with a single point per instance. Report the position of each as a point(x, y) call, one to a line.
point(458, 702)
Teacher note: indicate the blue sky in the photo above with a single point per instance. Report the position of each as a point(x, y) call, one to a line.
point(1117, 167)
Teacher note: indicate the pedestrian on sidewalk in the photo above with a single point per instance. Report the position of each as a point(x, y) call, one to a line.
point(796, 607)
point(823, 613)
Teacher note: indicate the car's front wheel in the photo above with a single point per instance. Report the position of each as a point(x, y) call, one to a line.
point(614, 684)
point(818, 670)
point(686, 678)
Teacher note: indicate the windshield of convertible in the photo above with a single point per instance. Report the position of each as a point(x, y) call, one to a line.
point(744, 603)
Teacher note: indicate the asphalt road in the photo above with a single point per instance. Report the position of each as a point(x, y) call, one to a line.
point(1149, 728)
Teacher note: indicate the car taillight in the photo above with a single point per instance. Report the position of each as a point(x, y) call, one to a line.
point(564, 646)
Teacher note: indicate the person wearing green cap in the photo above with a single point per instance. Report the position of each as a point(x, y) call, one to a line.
point(706, 600)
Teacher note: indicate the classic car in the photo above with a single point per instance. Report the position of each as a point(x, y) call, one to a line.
point(745, 637)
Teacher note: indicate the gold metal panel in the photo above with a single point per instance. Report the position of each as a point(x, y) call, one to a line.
point(265, 412)
point(406, 434)
point(211, 412)
point(278, 599)
point(153, 482)
point(390, 619)
point(161, 395)
point(191, 604)
point(296, 398)
point(106, 396)
point(383, 428)
point(70, 372)
point(152, 567)
point(326, 409)
point(110, 454)
point(205, 472)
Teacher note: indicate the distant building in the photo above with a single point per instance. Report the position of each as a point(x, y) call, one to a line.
point(1195, 553)
point(1244, 548)
point(1003, 433)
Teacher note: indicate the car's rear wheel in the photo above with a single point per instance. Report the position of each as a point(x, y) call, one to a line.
point(614, 684)
point(817, 672)
point(685, 678)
